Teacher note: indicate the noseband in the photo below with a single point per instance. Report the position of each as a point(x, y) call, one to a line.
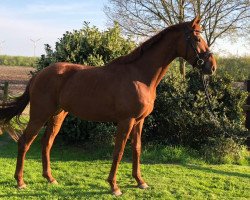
point(200, 58)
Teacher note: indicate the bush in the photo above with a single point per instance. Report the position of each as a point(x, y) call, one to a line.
point(182, 117)
point(87, 46)
point(75, 131)
point(102, 134)
point(224, 150)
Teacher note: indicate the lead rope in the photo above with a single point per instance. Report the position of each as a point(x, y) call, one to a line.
point(208, 98)
point(213, 117)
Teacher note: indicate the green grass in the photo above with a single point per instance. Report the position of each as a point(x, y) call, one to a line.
point(81, 173)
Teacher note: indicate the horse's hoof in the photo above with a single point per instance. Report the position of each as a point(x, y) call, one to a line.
point(143, 186)
point(54, 182)
point(23, 186)
point(117, 193)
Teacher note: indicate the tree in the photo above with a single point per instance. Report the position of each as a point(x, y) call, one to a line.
point(143, 18)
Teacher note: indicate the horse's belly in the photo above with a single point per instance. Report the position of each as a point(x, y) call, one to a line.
point(92, 112)
point(89, 105)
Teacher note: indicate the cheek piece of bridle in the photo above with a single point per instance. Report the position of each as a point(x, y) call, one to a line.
point(200, 58)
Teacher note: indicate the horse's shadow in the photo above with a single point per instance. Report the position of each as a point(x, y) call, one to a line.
point(216, 171)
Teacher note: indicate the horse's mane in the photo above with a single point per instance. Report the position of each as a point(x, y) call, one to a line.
point(136, 53)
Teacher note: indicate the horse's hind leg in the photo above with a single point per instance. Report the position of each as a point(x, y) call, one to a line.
point(41, 109)
point(24, 143)
point(53, 127)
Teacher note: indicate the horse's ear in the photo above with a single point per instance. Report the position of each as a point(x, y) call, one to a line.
point(196, 21)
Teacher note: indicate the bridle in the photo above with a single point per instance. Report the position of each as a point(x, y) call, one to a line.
point(201, 57)
point(199, 62)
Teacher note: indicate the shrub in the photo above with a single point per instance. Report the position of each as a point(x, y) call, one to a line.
point(87, 46)
point(224, 150)
point(75, 130)
point(102, 134)
point(182, 116)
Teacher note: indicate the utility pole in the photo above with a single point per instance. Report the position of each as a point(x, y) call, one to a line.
point(35, 44)
point(1, 46)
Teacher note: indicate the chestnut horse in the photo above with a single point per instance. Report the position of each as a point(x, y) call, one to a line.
point(123, 91)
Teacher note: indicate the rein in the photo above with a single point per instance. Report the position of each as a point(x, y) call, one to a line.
point(205, 84)
point(213, 117)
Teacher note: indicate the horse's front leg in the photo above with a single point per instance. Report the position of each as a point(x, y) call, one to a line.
point(123, 131)
point(136, 146)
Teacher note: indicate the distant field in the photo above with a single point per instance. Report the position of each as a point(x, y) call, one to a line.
point(16, 76)
point(26, 61)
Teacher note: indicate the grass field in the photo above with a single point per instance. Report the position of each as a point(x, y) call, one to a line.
point(82, 173)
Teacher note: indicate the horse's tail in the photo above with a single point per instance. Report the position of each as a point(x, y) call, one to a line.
point(13, 109)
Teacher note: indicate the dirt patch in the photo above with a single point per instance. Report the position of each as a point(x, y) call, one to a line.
point(17, 77)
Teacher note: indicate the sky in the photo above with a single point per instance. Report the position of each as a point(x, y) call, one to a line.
point(24, 20)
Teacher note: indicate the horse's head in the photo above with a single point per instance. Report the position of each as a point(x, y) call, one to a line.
point(195, 49)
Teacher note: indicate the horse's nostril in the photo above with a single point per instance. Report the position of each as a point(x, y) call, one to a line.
point(213, 69)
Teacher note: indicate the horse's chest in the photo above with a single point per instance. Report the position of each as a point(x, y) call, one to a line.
point(144, 100)
point(144, 107)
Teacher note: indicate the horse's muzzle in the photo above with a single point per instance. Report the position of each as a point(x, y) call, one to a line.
point(208, 70)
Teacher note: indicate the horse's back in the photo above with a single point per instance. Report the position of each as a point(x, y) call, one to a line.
point(90, 94)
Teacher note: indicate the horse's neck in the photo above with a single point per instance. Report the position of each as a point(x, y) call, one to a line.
point(154, 62)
